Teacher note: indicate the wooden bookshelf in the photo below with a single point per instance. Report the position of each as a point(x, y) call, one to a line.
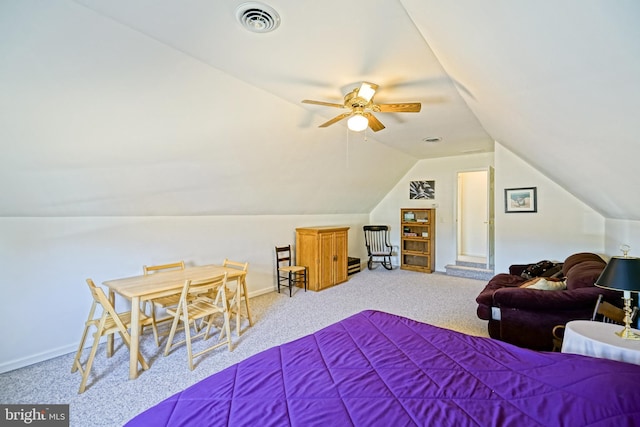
point(417, 239)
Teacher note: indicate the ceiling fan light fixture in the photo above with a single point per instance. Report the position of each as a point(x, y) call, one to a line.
point(357, 123)
point(366, 91)
point(360, 106)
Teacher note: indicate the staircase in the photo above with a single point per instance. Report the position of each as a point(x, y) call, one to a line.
point(470, 270)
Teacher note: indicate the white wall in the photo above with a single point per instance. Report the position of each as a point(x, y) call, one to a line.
point(444, 172)
point(45, 261)
point(562, 225)
point(621, 232)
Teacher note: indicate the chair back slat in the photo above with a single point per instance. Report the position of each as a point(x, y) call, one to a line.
point(155, 268)
point(609, 313)
point(283, 255)
point(244, 266)
point(197, 287)
point(376, 239)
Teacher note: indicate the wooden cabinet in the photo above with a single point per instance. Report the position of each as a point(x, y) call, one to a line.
point(417, 239)
point(324, 251)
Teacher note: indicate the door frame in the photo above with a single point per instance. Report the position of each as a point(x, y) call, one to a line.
point(489, 255)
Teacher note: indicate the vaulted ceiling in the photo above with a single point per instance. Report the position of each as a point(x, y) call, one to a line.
point(160, 107)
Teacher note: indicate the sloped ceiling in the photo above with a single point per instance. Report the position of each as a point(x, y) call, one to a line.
point(557, 82)
point(158, 107)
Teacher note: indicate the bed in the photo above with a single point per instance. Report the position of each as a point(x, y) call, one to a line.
point(376, 368)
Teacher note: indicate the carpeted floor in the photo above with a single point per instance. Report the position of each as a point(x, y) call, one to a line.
point(111, 398)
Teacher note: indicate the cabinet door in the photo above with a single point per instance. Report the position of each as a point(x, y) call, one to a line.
point(341, 262)
point(327, 262)
point(306, 254)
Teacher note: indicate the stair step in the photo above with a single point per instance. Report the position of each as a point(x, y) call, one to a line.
point(469, 272)
point(471, 264)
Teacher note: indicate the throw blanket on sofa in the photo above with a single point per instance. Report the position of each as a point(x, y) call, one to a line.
point(378, 369)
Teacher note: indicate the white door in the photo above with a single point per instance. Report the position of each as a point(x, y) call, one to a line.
point(475, 217)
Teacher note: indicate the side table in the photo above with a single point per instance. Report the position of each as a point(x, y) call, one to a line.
point(599, 339)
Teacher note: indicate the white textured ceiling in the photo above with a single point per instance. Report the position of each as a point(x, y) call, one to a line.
point(160, 107)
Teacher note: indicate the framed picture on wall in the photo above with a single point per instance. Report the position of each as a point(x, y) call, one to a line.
point(422, 190)
point(520, 200)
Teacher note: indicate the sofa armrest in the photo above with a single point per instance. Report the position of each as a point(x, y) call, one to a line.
point(539, 300)
point(499, 281)
point(504, 280)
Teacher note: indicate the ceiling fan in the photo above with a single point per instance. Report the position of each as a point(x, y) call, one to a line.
point(360, 103)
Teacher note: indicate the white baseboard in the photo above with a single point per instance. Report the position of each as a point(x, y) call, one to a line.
point(36, 358)
point(262, 291)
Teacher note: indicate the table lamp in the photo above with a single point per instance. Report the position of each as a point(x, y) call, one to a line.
point(623, 274)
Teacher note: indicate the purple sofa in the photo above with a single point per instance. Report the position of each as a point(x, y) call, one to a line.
point(525, 317)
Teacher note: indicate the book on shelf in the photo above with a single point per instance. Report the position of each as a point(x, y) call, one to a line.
point(409, 217)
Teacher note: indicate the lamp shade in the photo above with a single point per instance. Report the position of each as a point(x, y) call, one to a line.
point(621, 274)
point(357, 123)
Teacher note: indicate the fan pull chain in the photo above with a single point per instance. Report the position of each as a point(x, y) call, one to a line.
point(347, 153)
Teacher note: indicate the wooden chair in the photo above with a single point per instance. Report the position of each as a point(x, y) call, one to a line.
point(287, 272)
point(197, 301)
point(109, 322)
point(609, 313)
point(376, 239)
point(235, 295)
point(171, 266)
point(603, 312)
point(162, 302)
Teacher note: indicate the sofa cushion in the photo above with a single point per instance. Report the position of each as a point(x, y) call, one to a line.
point(575, 259)
point(584, 274)
point(544, 284)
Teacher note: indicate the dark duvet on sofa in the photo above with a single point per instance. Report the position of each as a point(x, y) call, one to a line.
point(379, 369)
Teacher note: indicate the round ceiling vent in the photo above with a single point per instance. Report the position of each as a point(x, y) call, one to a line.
point(257, 17)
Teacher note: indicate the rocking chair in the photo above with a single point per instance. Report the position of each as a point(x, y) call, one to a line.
point(376, 238)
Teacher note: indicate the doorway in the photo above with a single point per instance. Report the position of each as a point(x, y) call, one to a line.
point(475, 217)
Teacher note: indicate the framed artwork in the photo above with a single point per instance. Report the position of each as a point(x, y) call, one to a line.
point(520, 200)
point(422, 190)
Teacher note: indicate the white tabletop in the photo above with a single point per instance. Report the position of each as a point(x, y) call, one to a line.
point(599, 339)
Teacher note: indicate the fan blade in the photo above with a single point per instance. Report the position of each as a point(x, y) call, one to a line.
point(408, 107)
point(326, 104)
point(374, 123)
point(335, 119)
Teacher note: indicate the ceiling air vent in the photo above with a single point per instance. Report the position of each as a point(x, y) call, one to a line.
point(432, 139)
point(257, 17)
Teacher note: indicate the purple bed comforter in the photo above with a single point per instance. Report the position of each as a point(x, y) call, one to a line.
point(379, 369)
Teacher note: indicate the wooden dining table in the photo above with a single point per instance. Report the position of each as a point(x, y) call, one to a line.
point(146, 287)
